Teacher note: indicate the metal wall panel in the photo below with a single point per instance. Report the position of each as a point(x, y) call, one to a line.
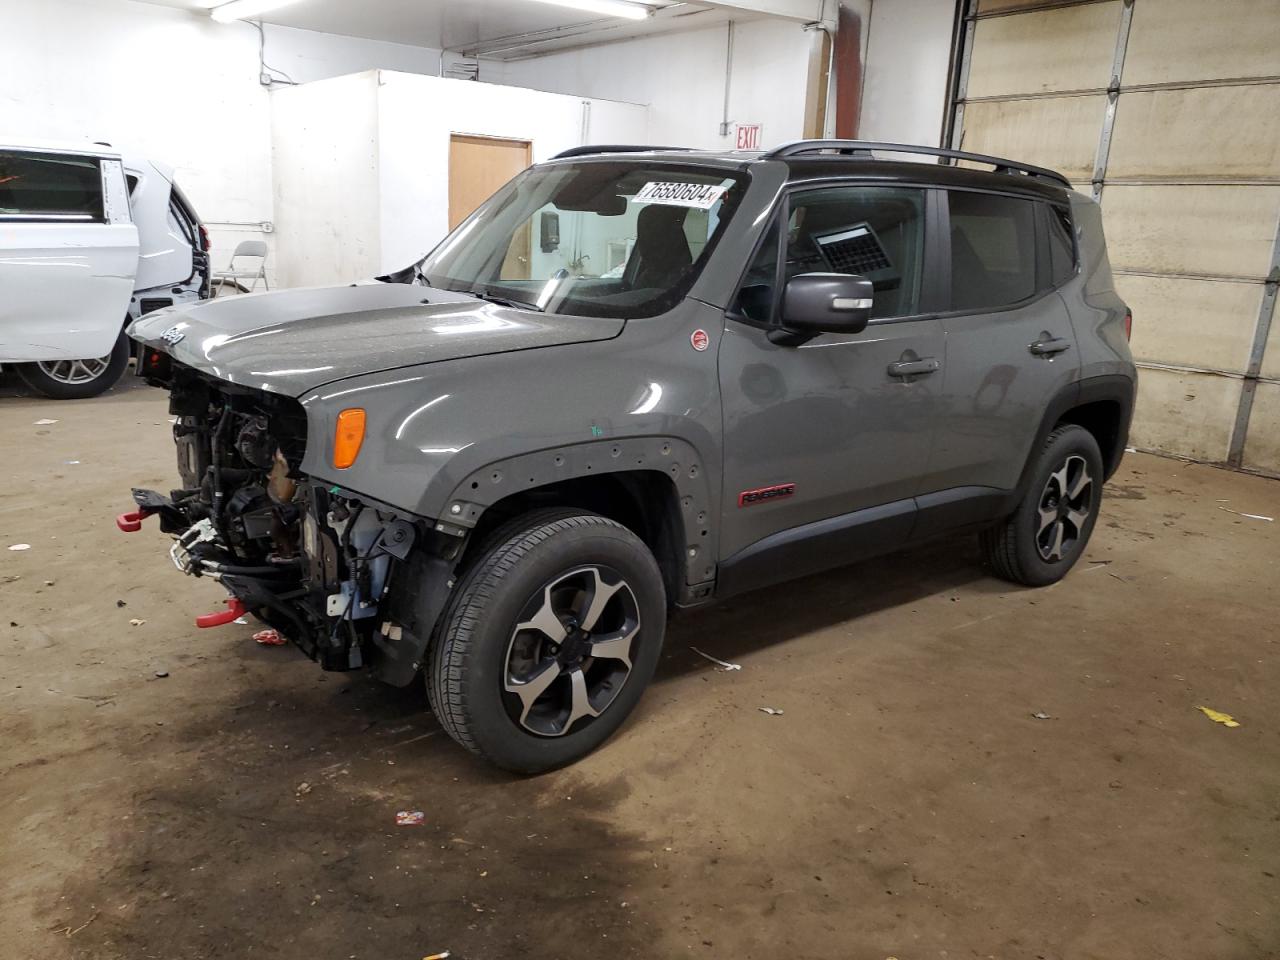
point(1192, 323)
point(1199, 229)
point(1059, 132)
point(1262, 448)
point(1212, 133)
point(1064, 48)
point(1009, 6)
point(1271, 358)
point(1185, 412)
point(1168, 111)
point(1190, 40)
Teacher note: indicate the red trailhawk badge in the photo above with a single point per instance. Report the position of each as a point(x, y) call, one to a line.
point(700, 340)
point(778, 491)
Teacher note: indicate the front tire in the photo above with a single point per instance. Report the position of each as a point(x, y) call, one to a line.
point(551, 637)
point(77, 379)
point(1050, 528)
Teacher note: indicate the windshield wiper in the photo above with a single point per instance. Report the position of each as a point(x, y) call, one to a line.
point(505, 301)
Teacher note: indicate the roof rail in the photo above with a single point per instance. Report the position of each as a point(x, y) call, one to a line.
point(587, 151)
point(864, 149)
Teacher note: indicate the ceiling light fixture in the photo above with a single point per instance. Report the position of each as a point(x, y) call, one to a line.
point(245, 9)
point(608, 8)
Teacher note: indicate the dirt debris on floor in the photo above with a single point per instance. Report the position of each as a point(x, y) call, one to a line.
point(908, 804)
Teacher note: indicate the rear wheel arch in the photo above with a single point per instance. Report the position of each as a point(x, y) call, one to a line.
point(1102, 405)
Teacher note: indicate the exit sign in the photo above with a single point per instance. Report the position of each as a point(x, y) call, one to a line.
point(747, 136)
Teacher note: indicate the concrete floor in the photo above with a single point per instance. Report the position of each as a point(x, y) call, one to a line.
point(906, 804)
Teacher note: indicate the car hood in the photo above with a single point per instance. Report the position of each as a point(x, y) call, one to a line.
point(292, 341)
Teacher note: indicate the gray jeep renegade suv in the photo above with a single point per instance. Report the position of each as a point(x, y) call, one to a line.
point(639, 379)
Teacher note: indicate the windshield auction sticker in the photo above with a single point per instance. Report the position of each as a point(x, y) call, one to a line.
point(700, 196)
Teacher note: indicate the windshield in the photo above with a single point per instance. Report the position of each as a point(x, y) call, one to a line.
point(598, 239)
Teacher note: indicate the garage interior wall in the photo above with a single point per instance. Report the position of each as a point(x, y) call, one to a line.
point(174, 86)
point(384, 136)
point(1166, 110)
point(904, 93)
point(681, 78)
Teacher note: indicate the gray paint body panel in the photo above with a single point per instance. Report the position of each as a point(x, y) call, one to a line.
point(292, 341)
point(458, 391)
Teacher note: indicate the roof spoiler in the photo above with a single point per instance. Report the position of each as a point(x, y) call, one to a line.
point(865, 149)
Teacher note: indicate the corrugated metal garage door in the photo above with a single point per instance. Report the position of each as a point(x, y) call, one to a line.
point(1169, 112)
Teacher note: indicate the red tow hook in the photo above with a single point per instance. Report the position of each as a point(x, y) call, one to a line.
point(235, 609)
point(131, 522)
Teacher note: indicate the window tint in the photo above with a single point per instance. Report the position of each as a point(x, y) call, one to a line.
point(1062, 251)
point(36, 186)
point(993, 250)
point(876, 232)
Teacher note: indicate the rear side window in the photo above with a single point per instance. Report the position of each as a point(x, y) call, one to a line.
point(39, 186)
point(993, 250)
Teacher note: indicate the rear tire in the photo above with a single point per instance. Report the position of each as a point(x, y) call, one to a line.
point(1050, 528)
point(550, 638)
point(77, 379)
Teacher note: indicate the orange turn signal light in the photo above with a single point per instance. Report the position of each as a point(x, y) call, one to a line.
point(347, 437)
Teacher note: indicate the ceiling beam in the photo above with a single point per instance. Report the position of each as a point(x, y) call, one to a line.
point(804, 11)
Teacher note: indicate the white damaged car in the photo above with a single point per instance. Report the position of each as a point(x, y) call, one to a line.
point(90, 239)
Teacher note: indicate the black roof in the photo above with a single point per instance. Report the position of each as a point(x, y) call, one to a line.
point(821, 159)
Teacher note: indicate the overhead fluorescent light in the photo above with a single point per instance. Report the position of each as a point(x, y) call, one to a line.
point(608, 8)
point(246, 9)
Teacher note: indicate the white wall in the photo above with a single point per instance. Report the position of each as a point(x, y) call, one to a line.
point(680, 76)
point(325, 163)
point(904, 90)
point(362, 162)
point(172, 84)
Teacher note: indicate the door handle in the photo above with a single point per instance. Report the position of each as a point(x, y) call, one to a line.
point(909, 368)
point(1050, 347)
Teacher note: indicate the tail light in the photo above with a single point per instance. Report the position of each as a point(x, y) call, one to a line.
point(205, 242)
point(347, 437)
point(1128, 324)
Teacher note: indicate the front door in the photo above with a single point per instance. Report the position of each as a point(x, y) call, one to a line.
point(823, 431)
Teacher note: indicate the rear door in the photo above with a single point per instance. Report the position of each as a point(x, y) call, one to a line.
point(68, 254)
point(829, 428)
point(1010, 343)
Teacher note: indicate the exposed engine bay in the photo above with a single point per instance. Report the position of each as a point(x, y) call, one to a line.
point(309, 559)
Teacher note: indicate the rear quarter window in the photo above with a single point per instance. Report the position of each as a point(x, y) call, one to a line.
point(1062, 247)
point(58, 187)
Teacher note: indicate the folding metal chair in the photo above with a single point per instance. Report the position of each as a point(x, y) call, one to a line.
point(252, 249)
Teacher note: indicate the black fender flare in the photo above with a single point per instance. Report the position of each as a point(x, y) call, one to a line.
point(675, 458)
point(1112, 388)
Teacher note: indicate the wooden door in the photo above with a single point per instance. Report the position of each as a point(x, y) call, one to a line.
point(478, 167)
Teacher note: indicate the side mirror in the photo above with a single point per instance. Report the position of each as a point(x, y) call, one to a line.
point(814, 303)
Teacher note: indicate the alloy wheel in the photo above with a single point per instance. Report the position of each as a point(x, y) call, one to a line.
point(570, 651)
point(75, 371)
point(1065, 506)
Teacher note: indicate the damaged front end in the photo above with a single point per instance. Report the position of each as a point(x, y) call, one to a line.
point(354, 583)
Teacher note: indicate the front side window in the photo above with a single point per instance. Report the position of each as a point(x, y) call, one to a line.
point(873, 232)
point(993, 250)
point(598, 238)
point(39, 186)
